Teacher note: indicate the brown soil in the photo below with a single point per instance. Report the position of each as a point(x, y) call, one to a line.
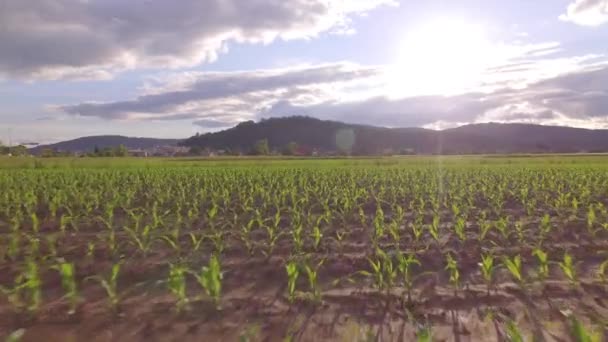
point(255, 305)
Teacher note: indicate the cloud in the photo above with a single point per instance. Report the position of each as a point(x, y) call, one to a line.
point(94, 39)
point(382, 111)
point(231, 96)
point(587, 12)
point(577, 98)
point(531, 87)
point(214, 124)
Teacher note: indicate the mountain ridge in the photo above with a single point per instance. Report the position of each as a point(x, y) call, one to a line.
point(368, 140)
point(322, 135)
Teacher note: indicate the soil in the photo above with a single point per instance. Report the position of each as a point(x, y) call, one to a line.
point(255, 306)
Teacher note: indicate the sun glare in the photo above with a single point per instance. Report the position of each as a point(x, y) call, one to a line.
point(441, 57)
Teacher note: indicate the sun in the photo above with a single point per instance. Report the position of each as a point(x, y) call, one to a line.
point(444, 57)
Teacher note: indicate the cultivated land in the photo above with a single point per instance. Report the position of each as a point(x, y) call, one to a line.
point(417, 248)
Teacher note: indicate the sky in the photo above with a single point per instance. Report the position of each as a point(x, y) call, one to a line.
point(170, 69)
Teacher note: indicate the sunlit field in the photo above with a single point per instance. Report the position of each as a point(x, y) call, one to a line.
point(264, 249)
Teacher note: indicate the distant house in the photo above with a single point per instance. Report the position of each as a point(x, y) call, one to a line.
point(170, 151)
point(138, 153)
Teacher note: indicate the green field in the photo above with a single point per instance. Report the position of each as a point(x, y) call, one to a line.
point(265, 249)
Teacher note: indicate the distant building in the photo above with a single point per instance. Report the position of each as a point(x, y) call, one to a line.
point(138, 153)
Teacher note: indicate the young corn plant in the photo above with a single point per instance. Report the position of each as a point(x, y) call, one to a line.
point(196, 241)
point(542, 271)
point(545, 226)
point(459, 229)
point(452, 268)
point(377, 273)
point(340, 235)
point(502, 225)
point(568, 267)
point(519, 229)
point(424, 334)
point(515, 269)
point(90, 250)
point(171, 241)
point(484, 228)
point(27, 290)
point(379, 228)
point(316, 236)
point(312, 274)
point(513, 333)
point(143, 240)
point(591, 220)
point(417, 229)
point(210, 279)
point(110, 285)
point(487, 270)
point(33, 285)
point(68, 282)
point(217, 237)
point(434, 227)
point(580, 333)
point(176, 283)
point(602, 272)
point(293, 271)
point(405, 264)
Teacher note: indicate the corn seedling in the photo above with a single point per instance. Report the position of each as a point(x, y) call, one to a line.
point(404, 267)
point(312, 275)
point(177, 285)
point(542, 271)
point(424, 334)
point(452, 268)
point(568, 268)
point(293, 272)
point(515, 268)
point(68, 282)
point(210, 279)
point(513, 333)
point(487, 269)
point(459, 228)
point(110, 285)
point(580, 333)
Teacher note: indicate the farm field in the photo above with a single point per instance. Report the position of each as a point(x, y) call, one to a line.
point(473, 248)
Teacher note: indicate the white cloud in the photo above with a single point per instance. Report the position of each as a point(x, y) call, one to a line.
point(228, 97)
point(533, 85)
point(94, 39)
point(587, 12)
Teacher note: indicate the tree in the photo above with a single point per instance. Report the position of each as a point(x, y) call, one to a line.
point(196, 150)
point(47, 153)
point(290, 149)
point(260, 148)
point(19, 150)
point(120, 151)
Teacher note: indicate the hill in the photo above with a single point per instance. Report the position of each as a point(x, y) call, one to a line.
point(475, 138)
point(88, 144)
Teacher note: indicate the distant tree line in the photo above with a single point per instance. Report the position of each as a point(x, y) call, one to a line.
point(18, 150)
point(260, 148)
point(116, 151)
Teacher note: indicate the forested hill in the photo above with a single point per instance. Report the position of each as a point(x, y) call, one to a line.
point(361, 139)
